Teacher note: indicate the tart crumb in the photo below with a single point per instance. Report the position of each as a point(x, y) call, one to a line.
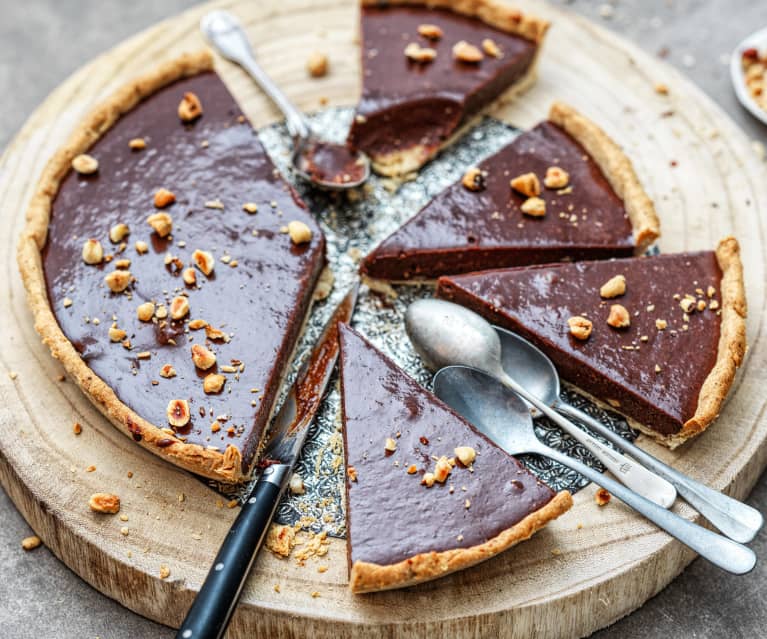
point(580, 327)
point(614, 287)
point(619, 317)
point(164, 571)
point(527, 184)
point(296, 484)
point(108, 503)
point(190, 107)
point(317, 65)
point(281, 539)
point(602, 497)
point(466, 52)
point(85, 164)
point(30, 543)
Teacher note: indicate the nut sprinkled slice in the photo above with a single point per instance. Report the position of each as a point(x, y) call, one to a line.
point(534, 206)
point(179, 307)
point(190, 107)
point(163, 198)
point(527, 184)
point(466, 52)
point(162, 223)
point(85, 164)
point(473, 179)
point(213, 383)
point(556, 178)
point(204, 261)
point(178, 412)
point(202, 357)
point(580, 327)
point(118, 281)
point(430, 31)
point(93, 252)
point(619, 317)
point(417, 53)
point(108, 503)
point(613, 287)
point(299, 232)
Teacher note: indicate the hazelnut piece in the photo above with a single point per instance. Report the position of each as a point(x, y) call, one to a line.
point(137, 144)
point(190, 107)
point(85, 164)
point(428, 480)
point(466, 52)
point(442, 469)
point(556, 178)
point(430, 31)
point(204, 261)
point(317, 64)
point(162, 223)
point(527, 184)
point(189, 276)
point(178, 412)
point(141, 247)
point(534, 206)
point(213, 383)
point(104, 503)
point(145, 311)
point(163, 198)
point(491, 48)
point(93, 252)
point(580, 327)
point(118, 281)
point(179, 307)
point(602, 497)
point(390, 445)
point(118, 233)
point(619, 317)
point(299, 232)
point(417, 53)
point(473, 179)
point(202, 357)
point(167, 371)
point(613, 287)
point(297, 484)
point(465, 454)
point(117, 334)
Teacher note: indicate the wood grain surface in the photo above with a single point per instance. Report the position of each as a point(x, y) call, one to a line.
point(584, 571)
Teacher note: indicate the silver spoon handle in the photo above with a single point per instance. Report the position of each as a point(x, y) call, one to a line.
point(223, 30)
point(735, 519)
point(720, 551)
point(624, 469)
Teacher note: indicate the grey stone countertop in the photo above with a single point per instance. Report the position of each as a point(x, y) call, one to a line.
point(42, 41)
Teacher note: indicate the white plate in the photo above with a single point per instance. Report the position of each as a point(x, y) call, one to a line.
point(757, 40)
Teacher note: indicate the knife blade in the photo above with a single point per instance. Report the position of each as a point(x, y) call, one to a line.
point(211, 610)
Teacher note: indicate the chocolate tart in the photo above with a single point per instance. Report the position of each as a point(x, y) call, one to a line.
point(670, 369)
point(411, 107)
point(248, 311)
point(600, 211)
point(400, 530)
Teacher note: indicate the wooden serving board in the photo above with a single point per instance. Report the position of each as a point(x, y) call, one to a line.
point(581, 573)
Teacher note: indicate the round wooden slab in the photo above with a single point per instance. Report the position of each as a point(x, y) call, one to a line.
point(581, 573)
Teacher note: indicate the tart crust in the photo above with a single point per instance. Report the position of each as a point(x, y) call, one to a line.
point(616, 167)
point(369, 577)
point(403, 163)
point(224, 465)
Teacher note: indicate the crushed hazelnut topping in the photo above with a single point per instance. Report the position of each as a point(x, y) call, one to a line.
point(661, 324)
point(657, 369)
point(179, 307)
point(215, 427)
point(390, 445)
point(213, 383)
point(164, 571)
point(67, 302)
point(687, 305)
point(442, 469)
point(93, 252)
point(580, 327)
point(701, 306)
point(161, 312)
point(534, 206)
point(178, 412)
point(602, 497)
point(77, 428)
point(202, 357)
point(661, 88)
point(137, 144)
point(117, 334)
point(167, 371)
point(30, 543)
point(297, 484)
point(214, 204)
point(250, 207)
point(189, 276)
point(144, 355)
point(491, 48)
point(556, 178)
point(215, 333)
point(527, 184)
point(428, 480)
point(412, 469)
point(141, 247)
point(613, 287)
point(161, 223)
point(619, 317)
point(713, 305)
point(145, 311)
point(474, 179)
point(710, 292)
point(122, 264)
point(351, 472)
point(430, 31)
point(465, 454)
point(466, 52)
point(417, 53)
point(85, 164)
point(317, 65)
point(118, 233)
point(104, 503)
point(197, 324)
point(190, 107)
point(204, 261)
point(163, 198)
point(299, 232)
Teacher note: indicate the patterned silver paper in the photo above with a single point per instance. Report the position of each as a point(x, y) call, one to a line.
point(353, 223)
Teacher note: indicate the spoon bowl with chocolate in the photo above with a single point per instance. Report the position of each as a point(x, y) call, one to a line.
point(324, 164)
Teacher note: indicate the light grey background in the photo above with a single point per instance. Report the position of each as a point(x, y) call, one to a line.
point(42, 41)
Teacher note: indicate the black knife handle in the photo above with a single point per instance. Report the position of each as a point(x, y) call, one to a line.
point(213, 607)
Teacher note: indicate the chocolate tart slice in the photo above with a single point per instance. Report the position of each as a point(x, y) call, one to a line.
point(659, 338)
point(426, 494)
point(593, 208)
point(159, 273)
point(429, 67)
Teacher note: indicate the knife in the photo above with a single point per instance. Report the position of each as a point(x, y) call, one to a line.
point(213, 607)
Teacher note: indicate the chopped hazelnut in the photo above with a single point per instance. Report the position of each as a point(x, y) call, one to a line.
point(167, 371)
point(202, 357)
point(250, 207)
point(412, 469)
point(619, 317)
point(162, 223)
point(417, 53)
point(527, 184)
point(613, 287)
point(118, 233)
point(390, 445)
point(428, 480)
point(93, 252)
point(214, 333)
point(77, 428)
point(713, 305)
point(118, 281)
point(430, 31)
point(465, 454)
point(317, 64)
point(466, 52)
point(190, 107)
point(710, 292)
point(442, 469)
point(189, 276)
point(351, 472)
point(661, 324)
point(602, 497)
point(117, 334)
point(30, 543)
point(580, 327)
point(104, 503)
point(299, 232)
point(145, 311)
point(556, 178)
point(85, 164)
point(473, 179)
point(213, 383)
point(161, 312)
point(297, 484)
point(661, 88)
point(142, 247)
point(534, 206)
point(179, 307)
point(163, 198)
point(122, 264)
point(701, 306)
point(178, 412)
point(164, 571)
point(197, 324)
point(204, 261)
point(687, 305)
point(491, 48)
point(137, 144)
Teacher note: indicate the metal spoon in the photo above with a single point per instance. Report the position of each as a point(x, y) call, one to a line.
point(444, 333)
point(225, 32)
point(538, 375)
point(503, 417)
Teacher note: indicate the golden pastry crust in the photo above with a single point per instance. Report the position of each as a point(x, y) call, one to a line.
point(616, 167)
point(369, 577)
point(223, 466)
